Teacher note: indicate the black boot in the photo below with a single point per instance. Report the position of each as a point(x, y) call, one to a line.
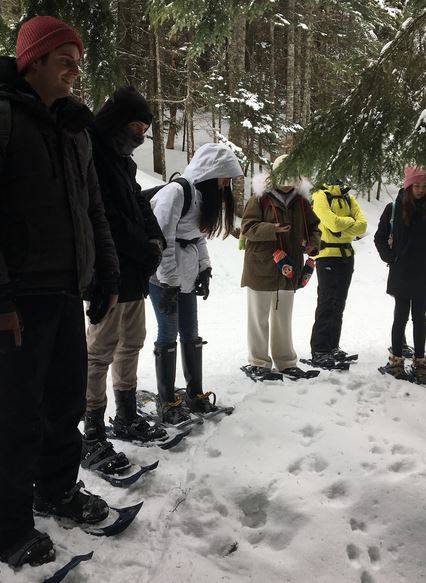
point(192, 364)
point(170, 409)
point(128, 424)
point(35, 548)
point(80, 507)
point(97, 453)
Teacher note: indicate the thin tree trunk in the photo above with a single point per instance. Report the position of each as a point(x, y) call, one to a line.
point(190, 112)
point(290, 74)
point(171, 136)
point(306, 90)
point(297, 75)
point(214, 130)
point(236, 64)
point(379, 186)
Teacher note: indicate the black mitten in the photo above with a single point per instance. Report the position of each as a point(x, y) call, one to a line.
point(98, 306)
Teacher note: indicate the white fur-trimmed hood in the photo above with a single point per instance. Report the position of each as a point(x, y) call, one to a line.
point(260, 185)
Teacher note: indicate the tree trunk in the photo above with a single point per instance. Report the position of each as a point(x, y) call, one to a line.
point(290, 74)
point(306, 89)
point(379, 186)
point(160, 105)
point(125, 41)
point(171, 136)
point(236, 66)
point(190, 112)
point(297, 75)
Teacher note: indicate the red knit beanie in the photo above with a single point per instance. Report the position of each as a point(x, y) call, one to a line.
point(413, 174)
point(41, 35)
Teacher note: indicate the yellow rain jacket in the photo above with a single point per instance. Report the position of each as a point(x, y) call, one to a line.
point(340, 222)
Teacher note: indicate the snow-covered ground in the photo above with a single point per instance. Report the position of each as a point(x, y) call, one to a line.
point(311, 481)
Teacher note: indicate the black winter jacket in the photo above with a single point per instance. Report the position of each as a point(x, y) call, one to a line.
point(53, 230)
point(407, 257)
point(133, 224)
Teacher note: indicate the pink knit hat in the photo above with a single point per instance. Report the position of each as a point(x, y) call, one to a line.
point(41, 35)
point(413, 174)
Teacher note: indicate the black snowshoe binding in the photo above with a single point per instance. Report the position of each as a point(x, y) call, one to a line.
point(260, 373)
point(295, 373)
point(97, 453)
point(79, 506)
point(129, 425)
point(407, 351)
point(326, 361)
point(36, 548)
point(342, 356)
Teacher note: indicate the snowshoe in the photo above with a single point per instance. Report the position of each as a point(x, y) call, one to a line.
point(407, 351)
point(101, 456)
point(139, 430)
point(174, 413)
point(35, 548)
point(201, 403)
point(342, 356)
point(401, 376)
point(60, 574)
point(325, 361)
point(260, 373)
point(295, 373)
point(77, 505)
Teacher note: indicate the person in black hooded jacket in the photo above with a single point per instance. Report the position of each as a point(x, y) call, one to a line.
point(401, 242)
point(119, 128)
point(53, 237)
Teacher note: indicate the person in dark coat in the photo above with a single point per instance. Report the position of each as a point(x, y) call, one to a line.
point(53, 235)
point(119, 128)
point(401, 242)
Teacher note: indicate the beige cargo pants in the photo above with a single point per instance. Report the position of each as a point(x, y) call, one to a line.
point(118, 339)
point(269, 335)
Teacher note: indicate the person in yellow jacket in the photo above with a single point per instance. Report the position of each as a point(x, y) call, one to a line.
point(341, 220)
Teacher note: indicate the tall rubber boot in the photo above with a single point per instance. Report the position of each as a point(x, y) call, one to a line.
point(94, 425)
point(192, 364)
point(171, 409)
point(127, 424)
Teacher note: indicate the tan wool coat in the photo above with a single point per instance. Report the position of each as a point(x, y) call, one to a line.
point(260, 273)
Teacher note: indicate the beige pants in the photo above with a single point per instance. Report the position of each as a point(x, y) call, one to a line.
point(270, 325)
point(118, 339)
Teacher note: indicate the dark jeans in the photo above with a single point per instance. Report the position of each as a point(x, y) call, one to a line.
point(400, 319)
point(42, 399)
point(334, 278)
point(184, 321)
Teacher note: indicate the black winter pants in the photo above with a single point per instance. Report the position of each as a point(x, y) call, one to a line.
point(42, 399)
point(334, 278)
point(400, 319)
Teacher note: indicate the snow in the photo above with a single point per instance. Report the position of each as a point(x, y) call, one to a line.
point(319, 480)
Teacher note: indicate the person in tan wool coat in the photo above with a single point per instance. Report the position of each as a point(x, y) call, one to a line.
point(279, 228)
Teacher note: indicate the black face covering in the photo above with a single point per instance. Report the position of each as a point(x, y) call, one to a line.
point(126, 141)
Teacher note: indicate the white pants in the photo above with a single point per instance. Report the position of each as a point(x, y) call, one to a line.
point(270, 324)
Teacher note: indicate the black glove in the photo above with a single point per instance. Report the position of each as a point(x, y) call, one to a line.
point(153, 257)
point(99, 303)
point(168, 300)
point(202, 283)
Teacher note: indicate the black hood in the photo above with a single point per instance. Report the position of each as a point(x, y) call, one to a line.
point(69, 113)
point(124, 106)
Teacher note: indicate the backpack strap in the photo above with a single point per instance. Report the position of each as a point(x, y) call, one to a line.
point(5, 125)
point(330, 198)
point(392, 219)
point(187, 193)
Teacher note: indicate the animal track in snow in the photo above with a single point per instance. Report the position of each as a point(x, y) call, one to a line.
point(310, 463)
point(403, 466)
point(358, 525)
point(309, 433)
point(337, 490)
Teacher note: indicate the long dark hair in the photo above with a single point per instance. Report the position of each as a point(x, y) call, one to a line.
point(213, 219)
point(409, 205)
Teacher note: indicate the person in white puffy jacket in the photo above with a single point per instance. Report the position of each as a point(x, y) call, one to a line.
point(185, 271)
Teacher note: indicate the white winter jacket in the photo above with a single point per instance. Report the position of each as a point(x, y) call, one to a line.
point(180, 266)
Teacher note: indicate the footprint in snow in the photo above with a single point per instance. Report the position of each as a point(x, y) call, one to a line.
point(358, 525)
point(337, 491)
point(353, 554)
point(309, 433)
point(310, 463)
point(402, 450)
point(403, 466)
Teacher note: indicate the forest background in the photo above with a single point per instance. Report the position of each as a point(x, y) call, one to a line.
point(338, 85)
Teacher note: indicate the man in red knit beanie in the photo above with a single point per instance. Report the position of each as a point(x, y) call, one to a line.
point(54, 239)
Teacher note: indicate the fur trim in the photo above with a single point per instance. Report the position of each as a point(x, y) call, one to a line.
point(260, 185)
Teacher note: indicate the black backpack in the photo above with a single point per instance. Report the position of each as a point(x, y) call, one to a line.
point(187, 192)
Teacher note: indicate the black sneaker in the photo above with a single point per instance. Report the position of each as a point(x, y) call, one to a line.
point(139, 429)
point(201, 403)
point(101, 456)
point(35, 548)
point(80, 506)
point(174, 413)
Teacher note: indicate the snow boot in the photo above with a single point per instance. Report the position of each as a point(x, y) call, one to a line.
point(35, 548)
point(192, 364)
point(419, 370)
point(170, 409)
point(97, 453)
point(79, 506)
point(128, 424)
point(395, 367)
